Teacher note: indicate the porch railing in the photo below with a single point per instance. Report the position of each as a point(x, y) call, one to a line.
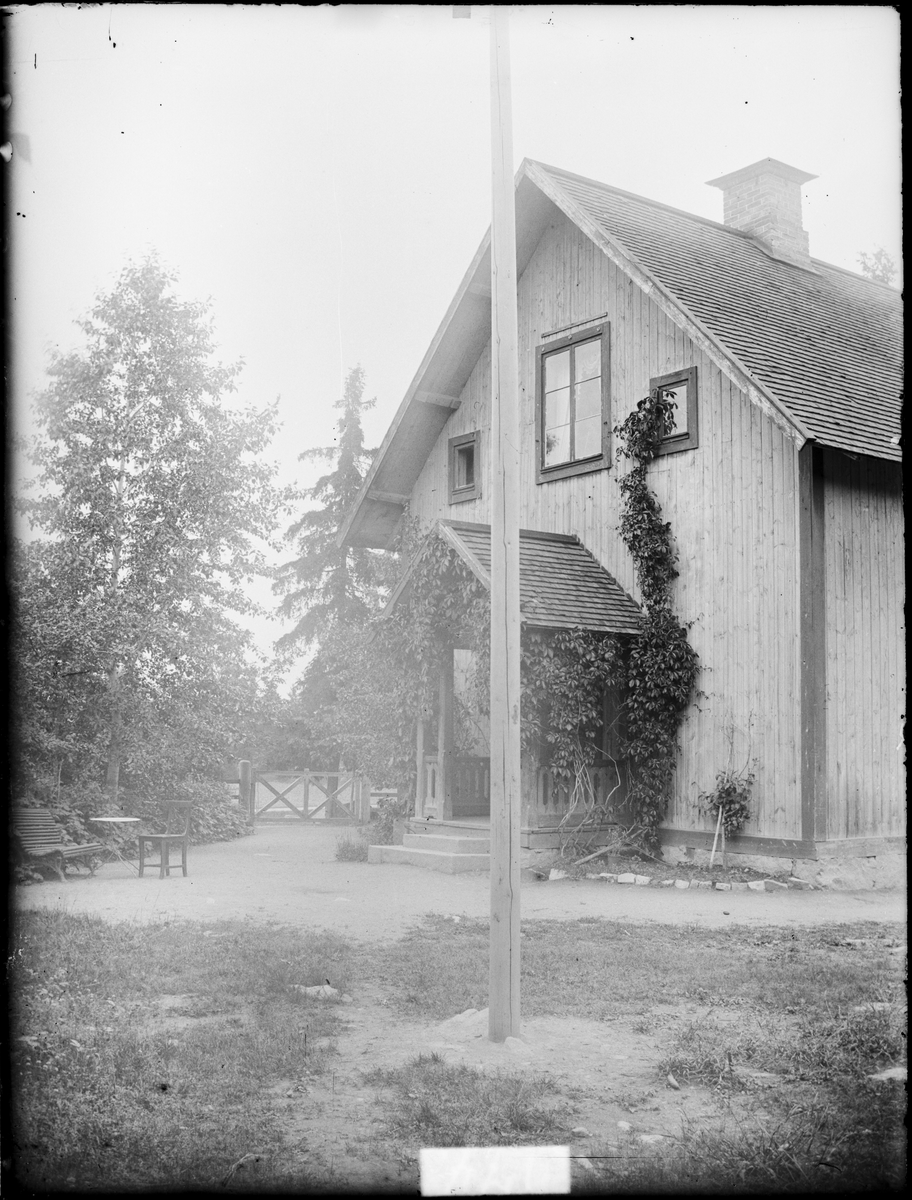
point(551, 805)
point(544, 805)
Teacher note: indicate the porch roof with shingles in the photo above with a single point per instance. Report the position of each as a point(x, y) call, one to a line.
point(561, 585)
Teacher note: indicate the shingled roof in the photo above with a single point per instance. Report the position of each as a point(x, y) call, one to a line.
point(818, 348)
point(561, 585)
point(826, 343)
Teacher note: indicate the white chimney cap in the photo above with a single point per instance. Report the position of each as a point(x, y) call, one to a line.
point(772, 166)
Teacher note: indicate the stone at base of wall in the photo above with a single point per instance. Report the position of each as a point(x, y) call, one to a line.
point(846, 874)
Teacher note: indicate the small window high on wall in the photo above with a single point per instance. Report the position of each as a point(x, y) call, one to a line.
point(683, 385)
point(464, 468)
point(572, 409)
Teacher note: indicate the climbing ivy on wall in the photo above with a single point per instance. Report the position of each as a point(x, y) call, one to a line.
point(663, 667)
point(565, 672)
point(443, 605)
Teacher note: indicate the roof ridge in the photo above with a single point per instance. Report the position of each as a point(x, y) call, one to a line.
point(682, 212)
point(878, 283)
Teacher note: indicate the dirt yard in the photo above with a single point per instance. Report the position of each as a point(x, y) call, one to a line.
point(607, 1072)
point(288, 872)
point(604, 1070)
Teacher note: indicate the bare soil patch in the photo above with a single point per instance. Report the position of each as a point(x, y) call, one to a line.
point(599, 1077)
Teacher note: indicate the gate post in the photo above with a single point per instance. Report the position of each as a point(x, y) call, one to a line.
point(364, 800)
point(246, 789)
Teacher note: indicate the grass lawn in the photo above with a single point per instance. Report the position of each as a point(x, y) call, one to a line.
point(140, 1053)
point(185, 1056)
point(602, 969)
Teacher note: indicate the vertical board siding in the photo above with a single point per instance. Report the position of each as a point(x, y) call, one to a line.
point(732, 507)
point(865, 703)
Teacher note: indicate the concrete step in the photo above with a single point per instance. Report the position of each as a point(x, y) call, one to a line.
point(449, 845)
point(435, 860)
point(447, 829)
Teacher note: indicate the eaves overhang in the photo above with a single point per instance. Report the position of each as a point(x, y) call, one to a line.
point(436, 390)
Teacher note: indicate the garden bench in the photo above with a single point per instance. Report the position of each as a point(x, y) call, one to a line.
point(39, 838)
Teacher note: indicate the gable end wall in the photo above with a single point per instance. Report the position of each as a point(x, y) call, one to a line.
point(733, 507)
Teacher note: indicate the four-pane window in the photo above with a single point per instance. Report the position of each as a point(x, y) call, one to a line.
point(573, 404)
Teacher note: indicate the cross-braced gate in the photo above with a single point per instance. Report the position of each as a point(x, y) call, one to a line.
point(335, 796)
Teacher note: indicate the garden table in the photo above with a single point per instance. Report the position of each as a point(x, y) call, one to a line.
point(111, 845)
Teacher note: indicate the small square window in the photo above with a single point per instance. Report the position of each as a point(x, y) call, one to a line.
point(464, 468)
point(572, 410)
point(682, 387)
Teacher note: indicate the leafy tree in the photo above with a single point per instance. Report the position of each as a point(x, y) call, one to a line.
point(356, 705)
point(59, 695)
point(153, 502)
point(279, 736)
point(878, 266)
point(327, 585)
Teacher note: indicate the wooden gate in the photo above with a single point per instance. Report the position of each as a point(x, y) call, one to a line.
point(339, 797)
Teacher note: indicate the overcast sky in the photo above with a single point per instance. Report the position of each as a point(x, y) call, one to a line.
point(323, 173)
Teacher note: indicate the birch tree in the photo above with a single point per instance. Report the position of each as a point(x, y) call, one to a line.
point(154, 495)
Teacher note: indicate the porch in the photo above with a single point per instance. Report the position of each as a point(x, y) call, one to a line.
point(548, 812)
point(562, 587)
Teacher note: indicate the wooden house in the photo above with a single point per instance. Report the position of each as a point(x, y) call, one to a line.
point(782, 484)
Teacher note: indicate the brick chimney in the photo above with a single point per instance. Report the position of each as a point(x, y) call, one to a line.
point(765, 199)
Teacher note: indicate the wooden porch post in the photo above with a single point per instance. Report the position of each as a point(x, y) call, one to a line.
point(420, 792)
point(445, 740)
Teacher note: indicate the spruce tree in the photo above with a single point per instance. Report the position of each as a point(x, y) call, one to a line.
point(325, 585)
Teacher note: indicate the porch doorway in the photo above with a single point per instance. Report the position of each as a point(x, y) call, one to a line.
point(472, 762)
point(454, 770)
point(454, 757)
point(470, 794)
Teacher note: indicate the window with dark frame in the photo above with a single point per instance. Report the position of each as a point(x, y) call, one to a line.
point(683, 385)
point(572, 412)
point(464, 467)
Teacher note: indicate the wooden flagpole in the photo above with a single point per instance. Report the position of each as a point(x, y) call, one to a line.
point(503, 998)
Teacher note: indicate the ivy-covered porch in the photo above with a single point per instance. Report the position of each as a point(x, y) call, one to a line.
point(549, 809)
point(577, 623)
